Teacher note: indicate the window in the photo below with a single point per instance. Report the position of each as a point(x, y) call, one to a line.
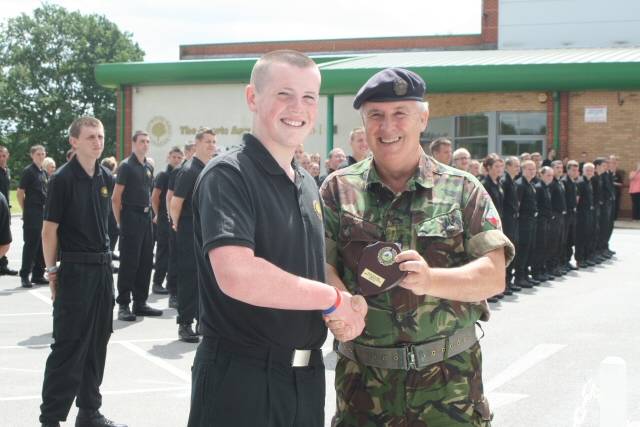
point(522, 133)
point(472, 133)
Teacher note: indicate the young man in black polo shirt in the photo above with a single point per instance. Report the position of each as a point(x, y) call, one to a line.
point(32, 192)
point(258, 229)
point(182, 218)
point(5, 189)
point(76, 228)
point(5, 226)
point(132, 208)
point(161, 219)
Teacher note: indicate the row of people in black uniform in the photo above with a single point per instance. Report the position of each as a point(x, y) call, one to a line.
point(551, 215)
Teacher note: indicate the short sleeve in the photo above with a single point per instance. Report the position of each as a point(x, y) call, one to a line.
point(123, 174)
point(26, 179)
point(5, 223)
point(331, 217)
point(185, 181)
point(482, 225)
point(55, 203)
point(171, 180)
point(227, 214)
point(161, 181)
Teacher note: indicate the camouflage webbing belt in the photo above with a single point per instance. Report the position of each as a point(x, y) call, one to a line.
point(410, 356)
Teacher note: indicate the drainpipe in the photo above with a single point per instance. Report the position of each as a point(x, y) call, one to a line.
point(329, 124)
point(556, 122)
point(123, 104)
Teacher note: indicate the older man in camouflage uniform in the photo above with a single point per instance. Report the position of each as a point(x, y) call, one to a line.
point(417, 362)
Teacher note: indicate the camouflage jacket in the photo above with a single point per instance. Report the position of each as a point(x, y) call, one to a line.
point(444, 213)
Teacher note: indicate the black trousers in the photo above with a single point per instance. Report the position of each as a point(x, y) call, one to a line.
point(113, 231)
point(32, 257)
point(162, 249)
point(604, 226)
point(510, 229)
point(136, 256)
point(172, 264)
point(82, 325)
point(239, 391)
point(524, 249)
point(569, 239)
point(187, 272)
point(635, 205)
point(555, 243)
point(585, 230)
point(542, 246)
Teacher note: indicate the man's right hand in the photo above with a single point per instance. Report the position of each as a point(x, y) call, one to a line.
point(347, 322)
point(53, 278)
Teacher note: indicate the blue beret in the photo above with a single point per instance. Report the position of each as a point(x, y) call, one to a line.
point(391, 84)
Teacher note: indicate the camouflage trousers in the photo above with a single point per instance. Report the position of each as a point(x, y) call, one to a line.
point(446, 394)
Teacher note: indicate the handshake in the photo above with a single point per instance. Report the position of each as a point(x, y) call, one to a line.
point(347, 321)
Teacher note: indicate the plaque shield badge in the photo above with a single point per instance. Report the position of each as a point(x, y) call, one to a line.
point(377, 270)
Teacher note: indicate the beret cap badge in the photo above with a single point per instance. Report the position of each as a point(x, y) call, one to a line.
point(400, 86)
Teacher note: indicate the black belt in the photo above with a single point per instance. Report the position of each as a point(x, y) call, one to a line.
point(290, 357)
point(139, 209)
point(86, 257)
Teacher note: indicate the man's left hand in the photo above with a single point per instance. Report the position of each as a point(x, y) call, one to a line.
point(418, 271)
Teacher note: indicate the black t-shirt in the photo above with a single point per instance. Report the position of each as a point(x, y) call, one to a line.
point(137, 179)
point(79, 204)
point(185, 182)
point(585, 195)
point(558, 197)
point(244, 198)
point(543, 198)
point(511, 202)
point(162, 183)
point(34, 183)
point(5, 221)
point(570, 192)
point(5, 182)
point(527, 198)
point(496, 192)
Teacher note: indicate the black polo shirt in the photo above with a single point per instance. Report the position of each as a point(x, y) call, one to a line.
point(585, 195)
point(527, 197)
point(511, 202)
point(138, 179)
point(558, 197)
point(162, 183)
point(543, 198)
point(570, 193)
point(244, 198)
point(496, 192)
point(5, 221)
point(185, 182)
point(79, 204)
point(5, 182)
point(34, 183)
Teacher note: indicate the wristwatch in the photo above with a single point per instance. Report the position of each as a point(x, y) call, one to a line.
point(52, 269)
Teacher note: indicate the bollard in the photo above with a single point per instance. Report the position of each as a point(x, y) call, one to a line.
point(613, 392)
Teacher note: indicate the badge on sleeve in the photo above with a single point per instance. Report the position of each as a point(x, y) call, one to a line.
point(104, 192)
point(317, 208)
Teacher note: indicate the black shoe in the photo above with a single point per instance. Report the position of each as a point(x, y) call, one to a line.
point(125, 314)
point(115, 257)
point(582, 264)
point(523, 283)
point(93, 418)
point(590, 263)
point(173, 301)
point(50, 424)
point(499, 296)
point(26, 283)
point(158, 289)
point(492, 299)
point(508, 291)
point(557, 272)
point(6, 271)
point(514, 288)
point(146, 310)
point(39, 281)
point(570, 266)
point(540, 278)
point(114, 269)
point(610, 252)
point(533, 281)
point(186, 334)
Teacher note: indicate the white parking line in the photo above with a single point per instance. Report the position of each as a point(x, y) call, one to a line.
point(46, 300)
point(104, 393)
point(41, 313)
point(185, 376)
point(532, 358)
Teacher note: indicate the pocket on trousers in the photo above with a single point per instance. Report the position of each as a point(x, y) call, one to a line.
point(482, 413)
point(67, 320)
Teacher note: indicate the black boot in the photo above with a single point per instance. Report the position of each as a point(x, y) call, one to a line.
point(146, 310)
point(186, 333)
point(158, 289)
point(125, 314)
point(50, 424)
point(93, 418)
point(173, 301)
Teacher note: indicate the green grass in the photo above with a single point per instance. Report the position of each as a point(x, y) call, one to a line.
point(15, 206)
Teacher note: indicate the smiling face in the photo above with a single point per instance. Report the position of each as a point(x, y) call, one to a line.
point(393, 131)
point(285, 105)
point(359, 146)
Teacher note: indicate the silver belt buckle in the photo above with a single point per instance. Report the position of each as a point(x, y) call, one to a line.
point(146, 209)
point(300, 358)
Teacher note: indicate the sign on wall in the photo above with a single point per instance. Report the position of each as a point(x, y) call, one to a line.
point(595, 114)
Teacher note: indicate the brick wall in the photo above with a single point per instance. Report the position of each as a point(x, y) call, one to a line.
point(449, 104)
point(620, 135)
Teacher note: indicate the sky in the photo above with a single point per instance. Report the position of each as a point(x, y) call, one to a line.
point(161, 26)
